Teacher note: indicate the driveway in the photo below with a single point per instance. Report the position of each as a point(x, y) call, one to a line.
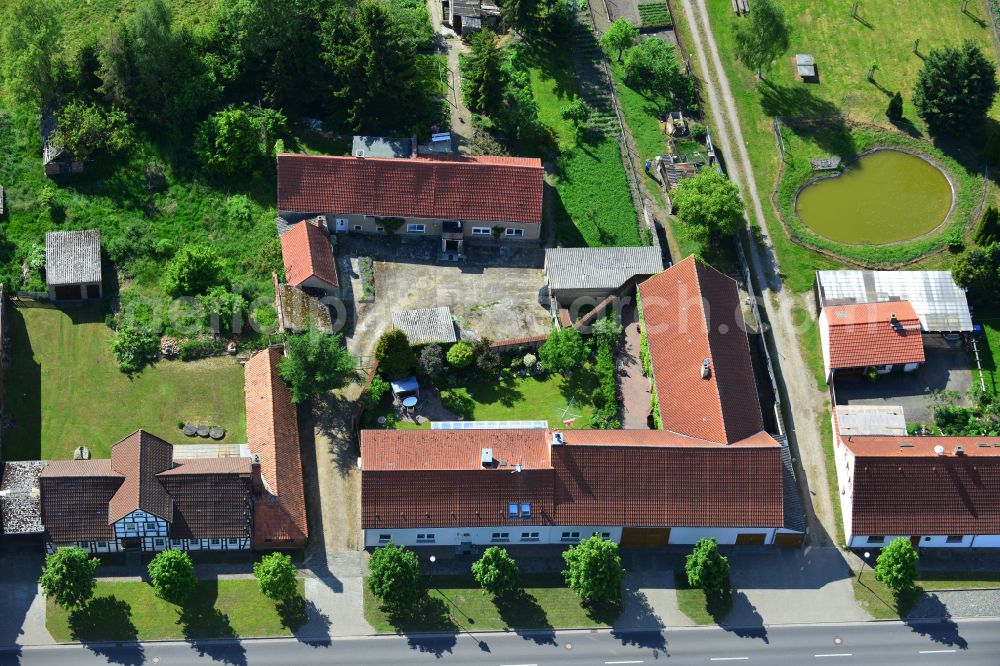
point(22, 621)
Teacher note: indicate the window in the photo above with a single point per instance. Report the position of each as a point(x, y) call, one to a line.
point(482, 231)
point(384, 538)
point(876, 539)
point(605, 535)
point(529, 536)
point(158, 542)
point(358, 227)
point(175, 542)
point(416, 228)
point(379, 227)
point(233, 542)
point(954, 538)
point(570, 536)
point(215, 542)
point(102, 544)
point(510, 232)
point(425, 538)
point(500, 537)
point(512, 510)
point(525, 510)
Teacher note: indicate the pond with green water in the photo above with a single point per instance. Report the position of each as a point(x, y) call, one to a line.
point(882, 197)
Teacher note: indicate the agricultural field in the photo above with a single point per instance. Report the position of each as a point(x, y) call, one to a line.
point(654, 15)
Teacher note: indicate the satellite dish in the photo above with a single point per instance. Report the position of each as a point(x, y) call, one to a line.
point(939, 450)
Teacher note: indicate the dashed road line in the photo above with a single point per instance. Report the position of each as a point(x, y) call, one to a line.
point(836, 654)
point(634, 661)
point(935, 651)
point(729, 658)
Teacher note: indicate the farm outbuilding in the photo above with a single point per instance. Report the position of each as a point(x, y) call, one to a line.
point(73, 265)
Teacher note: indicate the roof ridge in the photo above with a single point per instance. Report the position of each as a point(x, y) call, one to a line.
point(711, 353)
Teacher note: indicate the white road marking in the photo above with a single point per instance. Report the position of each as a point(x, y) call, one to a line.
point(634, 661)
point(839, 654)
point(729, 658)
point(934, 651)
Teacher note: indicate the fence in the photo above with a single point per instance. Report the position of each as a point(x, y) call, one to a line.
point(979, 365)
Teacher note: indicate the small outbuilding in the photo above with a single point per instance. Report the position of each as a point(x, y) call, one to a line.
point(805, 67)
point(73, 265)
point(428, 326)
point(597, 272)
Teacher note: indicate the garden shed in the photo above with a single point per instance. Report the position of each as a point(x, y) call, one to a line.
point(73, 265)
point(427, 326)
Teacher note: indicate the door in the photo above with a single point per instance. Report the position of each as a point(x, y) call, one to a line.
point(68, 292)
point(915, 541)
point(341, 224)
point(788, 540)
point(750, 539)
point(645, 537)
point(93, 291)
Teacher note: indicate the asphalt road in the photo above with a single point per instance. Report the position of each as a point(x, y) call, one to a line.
point(948, 642)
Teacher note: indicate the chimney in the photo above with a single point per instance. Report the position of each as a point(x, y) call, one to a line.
point(557, 439)
point(255, 478)
point(413, 148)
point(706, 368)
point(959, 450)
point(487, 458)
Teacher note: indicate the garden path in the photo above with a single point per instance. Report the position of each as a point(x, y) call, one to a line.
point(633, 385)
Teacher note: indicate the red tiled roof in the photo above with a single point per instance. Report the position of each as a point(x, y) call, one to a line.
point(213, 498)
point(691, 313)
point(655, 438)
point(139, 458)
point(864, 335)
point(307, 252)
point(668, 486)
point(475, 190)
point(913, 491)
point(396, 450)
point(273, 435)
point(75, 495)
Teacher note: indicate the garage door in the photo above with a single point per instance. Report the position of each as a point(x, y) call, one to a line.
point(645, 537)
point(788, 540)
point(69, 292)
point(750, 539)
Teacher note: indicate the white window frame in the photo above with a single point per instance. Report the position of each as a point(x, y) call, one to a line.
point(379, 227)
point(416, 228)
point(482, 231)
point(500, 537)
point(530, 536)
point(526, 510)
point(512, 509)
point(954, 538)
point(359, 227)
point(876, 539)
point(570, 536)
point(426, 538)
point(384, 538)
point(513, 232)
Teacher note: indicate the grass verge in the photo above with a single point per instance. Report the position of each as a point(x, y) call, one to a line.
point(825, 427)
point(700, 607)
point(883, 604)
point(130, 611)
point(457, 604)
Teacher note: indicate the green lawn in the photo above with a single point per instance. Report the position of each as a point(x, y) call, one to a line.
point(825, 425)
point(812, 349)
point(64, 389)
point(699, 607)
point(844, 50)
point(90, 19)
point(224, 608)
point(551, 397)
point(594, 206)
point(458, 604)
point(879, 600)
point(989, 352)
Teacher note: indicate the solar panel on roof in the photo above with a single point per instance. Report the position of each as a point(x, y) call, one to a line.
point(489, 425)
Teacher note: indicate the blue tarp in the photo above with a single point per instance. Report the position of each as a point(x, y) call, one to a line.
point(404, 387)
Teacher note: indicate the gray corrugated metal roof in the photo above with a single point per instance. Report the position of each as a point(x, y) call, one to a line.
point(599, 267)
point(72, 257)
point(382, 146)
point(795, 517)
point(940, 304)
point(426, 326)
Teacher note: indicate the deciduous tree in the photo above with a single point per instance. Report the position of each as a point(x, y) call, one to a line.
point(594, 570)
point(519, 15)
point(578, 113)
point(620, 35)
point(314, 363)
point(394, 575)
point(171, 573)
point(432, 362)
point(496, 571)
point(87, 129)
point(563, 351)
point(277, 577)
point(709, 205)
point(896, 565)
point(652, 68)
point(69, 576)
point(460, 355)
point(955, 88)
point(192, 271)
point(394, 354)
point(30, 38)
point(762, 37)
point(707, 568)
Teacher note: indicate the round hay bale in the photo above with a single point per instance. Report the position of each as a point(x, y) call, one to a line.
point(203, 431)
point(216, 433)
point(190, 430)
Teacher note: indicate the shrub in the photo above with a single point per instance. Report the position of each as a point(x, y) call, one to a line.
point(192, 271)
point(699, 132)
point(200, 347)
point(608, 329)
point(376, 390)
point(530, 360)
point(276, 576)
point(988, 230)
point(496, 571)
point(459, 402)
point(395, 575)
point(563, 351)
point(594, 570)
point(314, 363)
point(431, 362)
point(394, 355)
point(895, 109)
point(171, 573)
point(391, 224)
point(896, 565)
point(487, 359)
point(707, 568)
point(460, 355)
point(134, 346)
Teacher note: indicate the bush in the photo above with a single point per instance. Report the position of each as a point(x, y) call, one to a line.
point(431, 362)
point(563, 351)
point(276, 576)
point(707, 568)
point(395, 575)
point(988, 230)
point(200, 348)
point(594, 570)
point(460, 355)
point(487, 359)
point(895, 109)
point(496, 571)
point(699, 132)
point(376, 390)
point(394, 355)
point(530, 360)
point(459, 402)
point(314, 363)
point(171, 573)
point(134, 346)
point(193, 270)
